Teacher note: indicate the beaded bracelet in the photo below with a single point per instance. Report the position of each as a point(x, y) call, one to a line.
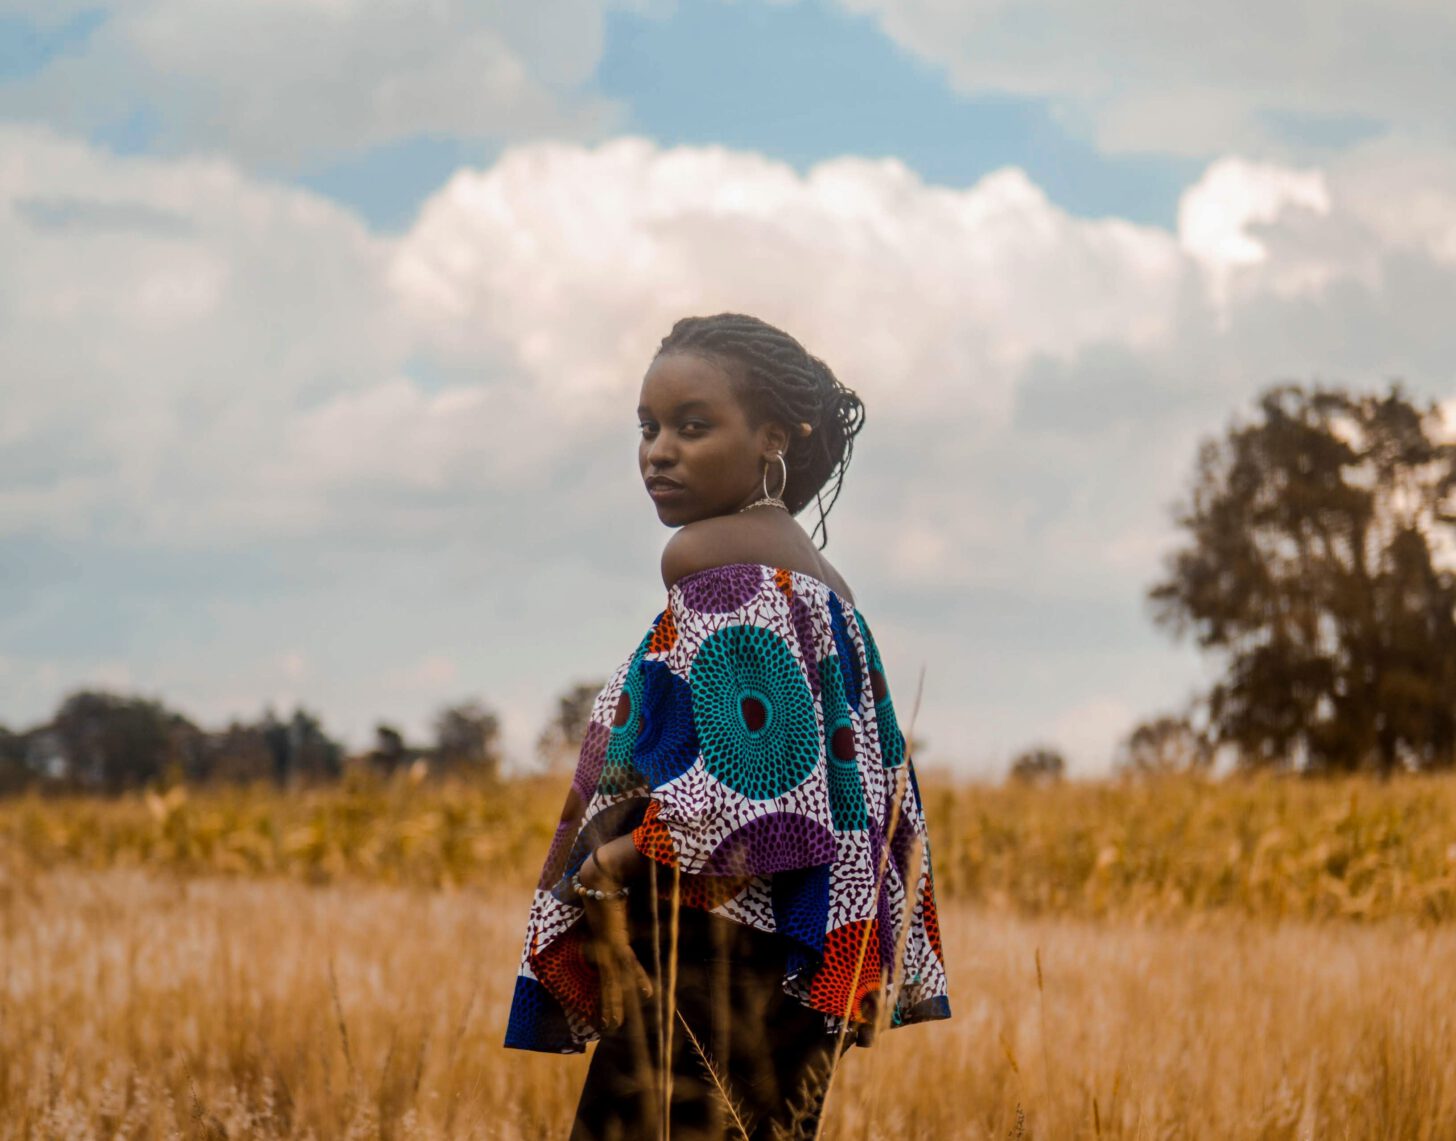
point(595, 893)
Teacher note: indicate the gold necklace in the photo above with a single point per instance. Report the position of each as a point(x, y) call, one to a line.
point(766, 501)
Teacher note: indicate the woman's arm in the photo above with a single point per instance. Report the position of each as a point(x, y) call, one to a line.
point(617, 862)
point(610, 866)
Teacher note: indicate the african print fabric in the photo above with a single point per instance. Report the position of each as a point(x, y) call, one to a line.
point(750, 743)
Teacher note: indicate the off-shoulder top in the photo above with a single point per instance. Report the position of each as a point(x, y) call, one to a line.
point(750, 742)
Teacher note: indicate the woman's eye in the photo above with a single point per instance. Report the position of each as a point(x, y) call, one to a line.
point(647, 429)
point(694, 428)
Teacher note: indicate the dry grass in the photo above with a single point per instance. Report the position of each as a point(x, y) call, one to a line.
point(1252, 959)
point(1269, 847)
point(145, 1005)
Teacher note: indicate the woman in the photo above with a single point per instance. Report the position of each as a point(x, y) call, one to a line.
point(740, 884)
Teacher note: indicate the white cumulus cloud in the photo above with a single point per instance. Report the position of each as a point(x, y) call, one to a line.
point(925, 297)
point(291, 83)
point(1196, 79)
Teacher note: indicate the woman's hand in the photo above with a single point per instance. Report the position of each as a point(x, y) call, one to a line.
point(610, 948)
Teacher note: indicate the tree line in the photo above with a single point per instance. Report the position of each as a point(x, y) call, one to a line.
point(1317, 539)
point(109, 743)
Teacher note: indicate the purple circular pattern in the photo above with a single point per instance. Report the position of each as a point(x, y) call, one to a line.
point(883, 911)
point(721, 590)
point(565, 836)
point(778, 842)
point(804, 630)
point(591, 758)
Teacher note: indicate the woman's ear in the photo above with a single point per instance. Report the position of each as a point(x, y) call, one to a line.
point(774, 438)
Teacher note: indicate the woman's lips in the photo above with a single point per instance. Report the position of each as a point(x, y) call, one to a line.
point(662, 489)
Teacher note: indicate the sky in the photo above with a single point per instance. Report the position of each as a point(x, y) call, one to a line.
point(322, 324)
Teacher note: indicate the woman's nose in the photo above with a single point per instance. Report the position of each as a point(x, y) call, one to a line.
point(662, 451)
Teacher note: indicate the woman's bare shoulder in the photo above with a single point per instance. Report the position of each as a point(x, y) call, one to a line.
point(709, 543)
point(724, 540)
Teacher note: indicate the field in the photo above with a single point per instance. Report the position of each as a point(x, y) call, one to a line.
point(1253, 959)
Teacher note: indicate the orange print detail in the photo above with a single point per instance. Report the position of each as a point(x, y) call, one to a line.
point(653, 839)
point(835, 977)
point(664, 634)
point(930, 918)
point(706, 892)
point(564, 971)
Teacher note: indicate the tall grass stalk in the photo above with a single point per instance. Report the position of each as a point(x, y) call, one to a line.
point(720, 1082)
point(342, 1026)
point(672, 949)
point(1046, 1056)
point(659, 995)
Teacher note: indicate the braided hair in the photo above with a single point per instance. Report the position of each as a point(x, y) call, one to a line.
point(778, 379)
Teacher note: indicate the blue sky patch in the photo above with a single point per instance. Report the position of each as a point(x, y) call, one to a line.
point(806, 82)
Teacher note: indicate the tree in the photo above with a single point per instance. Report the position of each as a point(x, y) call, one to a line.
point(15, 772)
point(1309, 565)
point(239, 754)
point(389, 752)
point(1039, 765)
point(467, 737)
point(1165, 744)
point(301, 750)
point(112, 743)
point(561, 739)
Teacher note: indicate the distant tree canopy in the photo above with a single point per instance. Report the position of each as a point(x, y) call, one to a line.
point(390, 751)
point(1309, 565)
point(1038, 765)
point(301, 750)
point(1165, 744)
point(15, 772)
point(111, 743)
point(467, 736)
point(561, 739)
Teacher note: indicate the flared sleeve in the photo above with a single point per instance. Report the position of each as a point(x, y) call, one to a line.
point(750, 744)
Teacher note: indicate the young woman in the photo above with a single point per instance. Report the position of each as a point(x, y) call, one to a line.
point(740, 884)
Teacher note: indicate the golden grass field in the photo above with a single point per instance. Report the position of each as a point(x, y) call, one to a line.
point(1182, 959)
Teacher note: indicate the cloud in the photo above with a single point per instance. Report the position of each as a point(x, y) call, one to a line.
point(426, 439)
point(297, 83)
point(1198, 80)
point(918, 294)
point(1216, 217)
point(162, 320)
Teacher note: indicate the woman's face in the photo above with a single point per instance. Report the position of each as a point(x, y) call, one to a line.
point(698, 454)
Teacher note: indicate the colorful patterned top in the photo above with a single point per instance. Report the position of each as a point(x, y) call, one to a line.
point(750, 742)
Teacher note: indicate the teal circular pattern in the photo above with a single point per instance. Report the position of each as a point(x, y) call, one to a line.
point(753, 711)
point(892, 740)
point(846, 790)
point(618, 772)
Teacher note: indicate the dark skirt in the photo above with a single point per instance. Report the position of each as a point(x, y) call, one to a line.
point(736, 1036)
